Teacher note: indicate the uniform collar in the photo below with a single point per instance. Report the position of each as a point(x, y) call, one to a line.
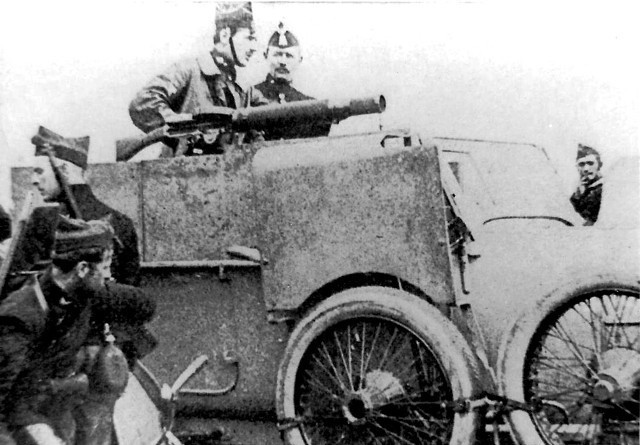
point(56, 296)
point(273, 80)
point(212, 64)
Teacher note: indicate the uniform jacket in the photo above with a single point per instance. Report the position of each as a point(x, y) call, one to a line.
point(37, 344)
point(126, 259)
point(587, 202)
point(190, 86)
point(278, 91)
point(5, 225)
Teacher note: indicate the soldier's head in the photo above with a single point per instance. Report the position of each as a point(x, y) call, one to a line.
point(69, 155)
point(283, 54)
point(588, 163)
point(81, 257)
point(234, 36)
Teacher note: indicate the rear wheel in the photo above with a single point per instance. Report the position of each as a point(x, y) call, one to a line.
point(576, 363)
point(376, 366)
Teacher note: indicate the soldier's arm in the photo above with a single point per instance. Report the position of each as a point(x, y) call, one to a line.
point(14, 349)
point(127, 309)
point(125, 304)
point(160, 98)
point(576, 200)
point(15, 344)
point(129, 259)
point(5, 225)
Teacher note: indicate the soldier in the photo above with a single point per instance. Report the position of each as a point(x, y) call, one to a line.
point(43, 327)
point(195, 85)
point(586, 198)
point(70, 158)
point(5, 225)
point(284, 57)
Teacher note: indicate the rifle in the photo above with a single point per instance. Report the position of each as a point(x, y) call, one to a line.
point(254, 118)
point(74, 211)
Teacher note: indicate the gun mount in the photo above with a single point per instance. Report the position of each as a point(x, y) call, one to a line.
point(294, 114)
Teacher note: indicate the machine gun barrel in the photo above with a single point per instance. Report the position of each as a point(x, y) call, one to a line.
point(254, 118)
point(304, 111)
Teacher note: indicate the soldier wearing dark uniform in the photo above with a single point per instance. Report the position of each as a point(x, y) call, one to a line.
point(587, 197)
point(5, 225)
point(195, 85)
point(284, 56)
point(71, 155)
point(43, 327)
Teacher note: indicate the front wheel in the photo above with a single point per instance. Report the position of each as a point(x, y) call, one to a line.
point(575, 361)
point(376, 366)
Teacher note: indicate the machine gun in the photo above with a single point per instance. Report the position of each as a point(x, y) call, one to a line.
point(206, 126)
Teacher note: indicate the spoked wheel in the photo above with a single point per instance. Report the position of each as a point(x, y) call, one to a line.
point(375, 366)
point(580, 371)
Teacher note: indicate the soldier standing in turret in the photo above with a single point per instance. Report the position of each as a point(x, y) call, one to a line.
point(284, 56)
point(195, 85)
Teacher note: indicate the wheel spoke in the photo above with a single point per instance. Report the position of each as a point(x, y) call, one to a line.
point(347, 368)
point(392, 434)
point(332, 375)
point(564, 369)
point(373, 345)
point(386, 350)
point(575, 350)
point(333, 367)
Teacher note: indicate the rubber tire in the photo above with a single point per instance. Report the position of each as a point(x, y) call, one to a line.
point(514, 347)
point(422, 318)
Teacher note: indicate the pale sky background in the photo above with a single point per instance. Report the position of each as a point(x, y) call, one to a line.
point(549, 73)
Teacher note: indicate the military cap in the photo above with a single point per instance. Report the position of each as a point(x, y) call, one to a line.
point(73, 235)
point(283, 38)
point(584, 150)
point(74, 150)
point(234, 15)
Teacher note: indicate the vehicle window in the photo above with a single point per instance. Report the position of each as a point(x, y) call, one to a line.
point(506, 179)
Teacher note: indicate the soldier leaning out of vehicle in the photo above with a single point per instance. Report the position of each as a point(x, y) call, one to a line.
point(194, 85)
point(586, 199)
point(284, 56)
point(64, 173)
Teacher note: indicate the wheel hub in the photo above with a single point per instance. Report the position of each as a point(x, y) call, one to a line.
point(619, 376)
point(379, 388)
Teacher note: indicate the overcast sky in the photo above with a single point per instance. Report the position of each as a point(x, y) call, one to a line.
point(530, 71)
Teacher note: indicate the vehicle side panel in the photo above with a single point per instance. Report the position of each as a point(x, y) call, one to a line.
point(339, 206)
point(198, 313)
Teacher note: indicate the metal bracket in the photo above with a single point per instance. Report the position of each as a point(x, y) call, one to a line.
point(229, 359)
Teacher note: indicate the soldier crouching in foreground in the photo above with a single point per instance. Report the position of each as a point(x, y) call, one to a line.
point(587, 197)
point(43, 327)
